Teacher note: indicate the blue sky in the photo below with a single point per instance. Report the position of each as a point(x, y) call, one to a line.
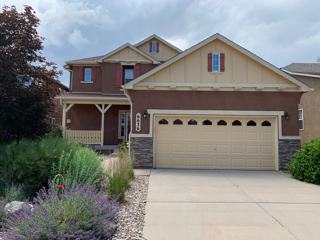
point(280, 31)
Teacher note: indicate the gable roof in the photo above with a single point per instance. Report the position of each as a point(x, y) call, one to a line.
point(99, 59)
point(160, 40)
point(304, 69)
point(192, 49)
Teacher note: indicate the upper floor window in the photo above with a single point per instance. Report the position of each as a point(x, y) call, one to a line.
point(301, 119)
point(87, 74)
point(216, 62)
point(127, 74)
point(154, 47)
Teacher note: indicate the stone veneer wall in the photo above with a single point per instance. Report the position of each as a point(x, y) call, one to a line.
point(141, 149)
point(287, 148)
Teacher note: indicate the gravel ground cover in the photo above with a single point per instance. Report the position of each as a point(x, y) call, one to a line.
point(130, 218)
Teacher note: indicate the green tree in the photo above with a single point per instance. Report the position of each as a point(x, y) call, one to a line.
point(25, 75)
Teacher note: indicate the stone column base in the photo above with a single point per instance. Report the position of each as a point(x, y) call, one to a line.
point(141, 149)
point(287, 147)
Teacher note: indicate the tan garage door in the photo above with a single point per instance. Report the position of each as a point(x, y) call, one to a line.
point(215, 142)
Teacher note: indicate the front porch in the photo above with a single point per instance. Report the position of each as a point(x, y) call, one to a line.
point(100, 121)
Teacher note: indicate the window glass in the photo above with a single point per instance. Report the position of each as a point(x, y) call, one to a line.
point(154, 47)
point(177, 122)
point(216, 62)
point(207, 122)
point(87, 74)
point(128, 74)
point(236, 123)
point(266, 124)
point(163, 122)
point(251, 123)
point(192, 122)
point(222, 123)
point(301, 119)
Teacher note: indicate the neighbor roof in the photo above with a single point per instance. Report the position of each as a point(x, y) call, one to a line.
point(192, 49)
point(303, 68)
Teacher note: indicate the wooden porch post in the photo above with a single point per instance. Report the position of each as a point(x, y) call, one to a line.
point(65, 109)
point(103, 109)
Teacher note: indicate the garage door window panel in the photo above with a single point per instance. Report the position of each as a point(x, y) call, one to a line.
point(236, 123)
point(163, 122)
point(207, 122)
point(266, 124)
point(177, 122)
point(222, 123)
point(251, 123)
point(192, 122)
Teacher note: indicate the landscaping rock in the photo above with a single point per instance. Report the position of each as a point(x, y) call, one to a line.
point(15, 206)
point(130, 218)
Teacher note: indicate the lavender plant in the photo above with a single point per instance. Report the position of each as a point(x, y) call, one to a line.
point(83, 213)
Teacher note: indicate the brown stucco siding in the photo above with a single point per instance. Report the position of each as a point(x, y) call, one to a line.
point(310, 102)
point(215, 100)
point(87, 117)
point(106, 78)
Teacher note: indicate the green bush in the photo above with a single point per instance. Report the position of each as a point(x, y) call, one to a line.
point(55, 132)
point(79, 166)
point(120, 173)
point(305, 163)
point(32, 163)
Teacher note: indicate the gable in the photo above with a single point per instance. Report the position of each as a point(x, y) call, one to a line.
point(165, 52)
point(127, 54)
point(243, 71)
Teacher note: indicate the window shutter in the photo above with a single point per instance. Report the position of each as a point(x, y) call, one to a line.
point(119, 80)
point(209, 62)
point(150, 46)
point(81, 73)
point(136, 70)
point(157, 47)
point(94, 74)
point(222, 62)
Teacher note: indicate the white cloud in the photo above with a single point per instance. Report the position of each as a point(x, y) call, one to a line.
point(77, 40)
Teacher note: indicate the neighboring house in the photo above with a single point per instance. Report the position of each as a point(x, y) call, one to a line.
point(214, 105)
point(55, 113)
point(309, 107)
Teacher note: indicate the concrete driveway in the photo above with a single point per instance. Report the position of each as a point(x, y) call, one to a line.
point(227, 205)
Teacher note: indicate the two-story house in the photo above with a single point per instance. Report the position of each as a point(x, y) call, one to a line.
point(213, 106)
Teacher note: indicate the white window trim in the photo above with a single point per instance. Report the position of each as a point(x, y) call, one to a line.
point(301, 119)
point(212, 62)
point(119, 124)
point(154, 43)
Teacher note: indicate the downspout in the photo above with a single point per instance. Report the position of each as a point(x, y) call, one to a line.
point(129, 98)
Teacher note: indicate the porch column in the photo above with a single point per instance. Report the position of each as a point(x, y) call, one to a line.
point(65, 109)
point(103, 109)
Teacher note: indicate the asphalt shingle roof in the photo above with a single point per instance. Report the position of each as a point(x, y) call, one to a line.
point(307, 68)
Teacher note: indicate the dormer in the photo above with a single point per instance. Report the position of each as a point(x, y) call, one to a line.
point(158, 48)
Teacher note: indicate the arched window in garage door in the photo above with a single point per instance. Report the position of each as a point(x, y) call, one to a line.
point(236, 123)
point(163, 122)
point(192, 122)
point(177, 122)
point(207, 122)
point(222, 123)
point(251, 123)
point(266, 124)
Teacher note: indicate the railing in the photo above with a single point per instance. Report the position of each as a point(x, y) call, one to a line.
point(84, 136)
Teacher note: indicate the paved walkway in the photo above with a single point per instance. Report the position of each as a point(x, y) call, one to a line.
point(227, 205)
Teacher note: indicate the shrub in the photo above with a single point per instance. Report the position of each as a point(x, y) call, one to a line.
point(29, 163)
point(305, 163)
point(79, 166)
point(14, 193)
point(82, 213)
point(120, 173)
point(55, 132)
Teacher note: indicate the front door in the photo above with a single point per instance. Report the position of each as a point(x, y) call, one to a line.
point(124, 124)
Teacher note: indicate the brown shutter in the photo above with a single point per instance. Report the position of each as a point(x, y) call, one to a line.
point(150, 46)
point(119, 74)
point(209, 62)
point(157, 46)
point(136, 70)
point(222, 62)
point(94, 74)
point(81, 73)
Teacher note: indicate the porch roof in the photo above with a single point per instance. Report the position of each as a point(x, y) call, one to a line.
point(96, 98)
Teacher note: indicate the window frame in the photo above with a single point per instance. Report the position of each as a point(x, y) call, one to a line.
point(213, 62)
point(301, 119)
point(126, 67)
point(84, 75)
point(154, 47)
